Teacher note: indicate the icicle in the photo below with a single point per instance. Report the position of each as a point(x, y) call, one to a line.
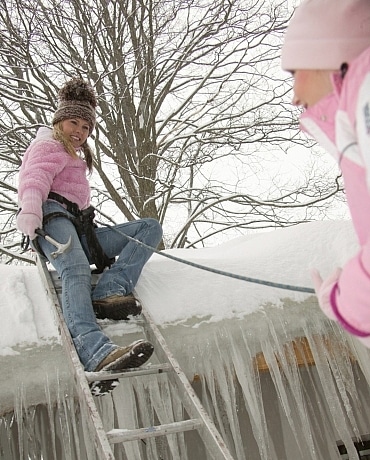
point(226, 385)
point(164, 401)
point(126, 415)
point(49, 406)
point(362, 356)
point(249, 381)
point(332, 384)
point(18, 410)
point(282, 361)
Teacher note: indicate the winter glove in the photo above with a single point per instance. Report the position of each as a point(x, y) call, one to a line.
point(28, 223)
point(323, 290)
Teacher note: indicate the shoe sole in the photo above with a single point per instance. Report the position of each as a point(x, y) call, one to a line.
point(139, 354)
point(118, 311)
point(103, 387)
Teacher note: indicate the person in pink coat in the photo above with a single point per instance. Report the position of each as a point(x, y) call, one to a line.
point(54, 196)
point(327, 50)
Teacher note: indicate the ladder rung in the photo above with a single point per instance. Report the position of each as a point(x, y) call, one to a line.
point(122, 435)
point(134, 372)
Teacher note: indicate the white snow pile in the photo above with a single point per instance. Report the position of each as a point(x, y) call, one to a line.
point(25, 310)
point(177, 293)
point(174, 292)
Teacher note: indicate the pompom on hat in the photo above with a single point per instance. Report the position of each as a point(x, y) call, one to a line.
point(76, 99)
point(324, 34)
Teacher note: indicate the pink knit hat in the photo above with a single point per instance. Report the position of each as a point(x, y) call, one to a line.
point(323, 34)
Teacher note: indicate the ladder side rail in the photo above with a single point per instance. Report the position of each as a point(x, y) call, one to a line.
point(208, 431)
point(95, 425)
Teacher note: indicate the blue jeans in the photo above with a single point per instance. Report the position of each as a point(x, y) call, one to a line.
point(92, 345)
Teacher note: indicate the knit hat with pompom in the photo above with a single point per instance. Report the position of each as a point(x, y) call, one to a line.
point(76, 99)
point(324, 34)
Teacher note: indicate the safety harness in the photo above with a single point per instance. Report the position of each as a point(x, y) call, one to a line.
point(83, 220)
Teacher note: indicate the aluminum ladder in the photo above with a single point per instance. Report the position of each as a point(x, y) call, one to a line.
point(199, 419)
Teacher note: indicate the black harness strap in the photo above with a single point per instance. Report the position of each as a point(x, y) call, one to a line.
point(71, 207)
point(84, 223)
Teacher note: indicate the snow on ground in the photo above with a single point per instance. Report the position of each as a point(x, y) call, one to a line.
point(177, 293)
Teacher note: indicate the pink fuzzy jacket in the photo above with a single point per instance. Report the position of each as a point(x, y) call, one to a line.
point(48, 167)
point(341, 123)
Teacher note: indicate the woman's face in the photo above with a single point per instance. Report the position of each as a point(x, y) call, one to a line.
point(77, 130)
point(310, 86)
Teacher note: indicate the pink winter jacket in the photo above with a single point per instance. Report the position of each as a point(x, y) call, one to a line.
point(48, 167)
point(341, 124)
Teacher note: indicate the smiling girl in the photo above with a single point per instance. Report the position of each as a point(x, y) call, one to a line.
point(54, 195)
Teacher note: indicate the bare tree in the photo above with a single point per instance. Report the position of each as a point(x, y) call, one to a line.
point(183, 86)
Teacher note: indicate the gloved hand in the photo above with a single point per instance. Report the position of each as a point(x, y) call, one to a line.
point(323, 290)
point(28, 223)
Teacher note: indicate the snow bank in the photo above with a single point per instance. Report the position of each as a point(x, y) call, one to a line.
point(174, 292)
